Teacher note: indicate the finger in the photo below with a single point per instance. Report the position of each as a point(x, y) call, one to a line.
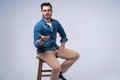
point(41, 36)
point(48, 36)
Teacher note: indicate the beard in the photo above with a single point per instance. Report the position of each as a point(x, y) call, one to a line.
point(47, 16)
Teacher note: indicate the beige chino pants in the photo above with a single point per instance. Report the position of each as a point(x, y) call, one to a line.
point(50, 57)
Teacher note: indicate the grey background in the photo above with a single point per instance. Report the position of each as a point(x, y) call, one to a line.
point(93, 28)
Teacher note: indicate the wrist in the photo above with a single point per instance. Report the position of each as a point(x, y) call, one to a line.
point(62, 44)
point(42, 40)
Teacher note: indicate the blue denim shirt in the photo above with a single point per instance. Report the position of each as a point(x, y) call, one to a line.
point(42, 28)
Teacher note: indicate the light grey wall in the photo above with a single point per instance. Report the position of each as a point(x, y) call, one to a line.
point(93, 28)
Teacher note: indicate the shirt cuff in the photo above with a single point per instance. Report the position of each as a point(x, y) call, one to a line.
point(36, 43)
point(63, 40)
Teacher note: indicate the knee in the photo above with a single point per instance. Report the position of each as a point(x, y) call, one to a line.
point(77, 56)
point(57, 68)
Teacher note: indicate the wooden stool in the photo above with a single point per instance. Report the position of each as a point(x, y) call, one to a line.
point(40, 71)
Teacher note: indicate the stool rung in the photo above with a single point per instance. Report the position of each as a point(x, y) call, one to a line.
point(46, 70)
point(45, 75)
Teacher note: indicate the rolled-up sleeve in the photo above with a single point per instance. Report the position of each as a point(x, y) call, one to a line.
point(62, 33)
point(37, 31)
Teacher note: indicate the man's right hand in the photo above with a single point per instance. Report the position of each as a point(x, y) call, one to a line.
point(43, 38)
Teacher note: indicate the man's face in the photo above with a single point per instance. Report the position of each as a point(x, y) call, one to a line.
point(46, 12)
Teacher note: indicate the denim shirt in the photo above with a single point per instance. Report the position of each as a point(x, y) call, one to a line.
point(42, 28)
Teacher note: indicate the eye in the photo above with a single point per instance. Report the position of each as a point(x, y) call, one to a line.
point(49, 9)
point(44, 10)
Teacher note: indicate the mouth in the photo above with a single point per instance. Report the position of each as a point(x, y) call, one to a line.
point(47, 15)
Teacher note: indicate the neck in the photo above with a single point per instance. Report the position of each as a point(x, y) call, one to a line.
point(47, 20)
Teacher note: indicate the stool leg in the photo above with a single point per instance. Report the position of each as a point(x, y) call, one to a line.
point(39, 76)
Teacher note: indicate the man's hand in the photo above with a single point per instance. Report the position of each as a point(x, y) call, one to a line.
point(62, 46)
point(43, 38)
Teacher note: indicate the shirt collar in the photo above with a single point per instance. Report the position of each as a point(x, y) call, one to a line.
point(44, 20)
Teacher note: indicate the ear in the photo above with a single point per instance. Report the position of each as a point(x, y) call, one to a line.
point(52, 11)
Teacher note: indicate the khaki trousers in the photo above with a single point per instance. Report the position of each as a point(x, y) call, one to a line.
point(50, 57)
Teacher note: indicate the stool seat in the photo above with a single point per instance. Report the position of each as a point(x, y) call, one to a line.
point(41, 71)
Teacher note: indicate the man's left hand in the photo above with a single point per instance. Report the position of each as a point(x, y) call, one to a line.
point(62, 46)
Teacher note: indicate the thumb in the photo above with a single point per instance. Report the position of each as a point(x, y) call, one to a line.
point(40, 35)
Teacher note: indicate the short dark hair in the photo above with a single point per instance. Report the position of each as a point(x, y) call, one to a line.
point(46, 4)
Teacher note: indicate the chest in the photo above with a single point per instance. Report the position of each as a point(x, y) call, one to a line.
point(49, 29)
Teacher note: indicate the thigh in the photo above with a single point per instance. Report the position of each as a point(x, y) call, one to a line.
point(66, 53)
point(49, 58)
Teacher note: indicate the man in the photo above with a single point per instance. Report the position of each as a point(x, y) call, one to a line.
point(45, 34)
